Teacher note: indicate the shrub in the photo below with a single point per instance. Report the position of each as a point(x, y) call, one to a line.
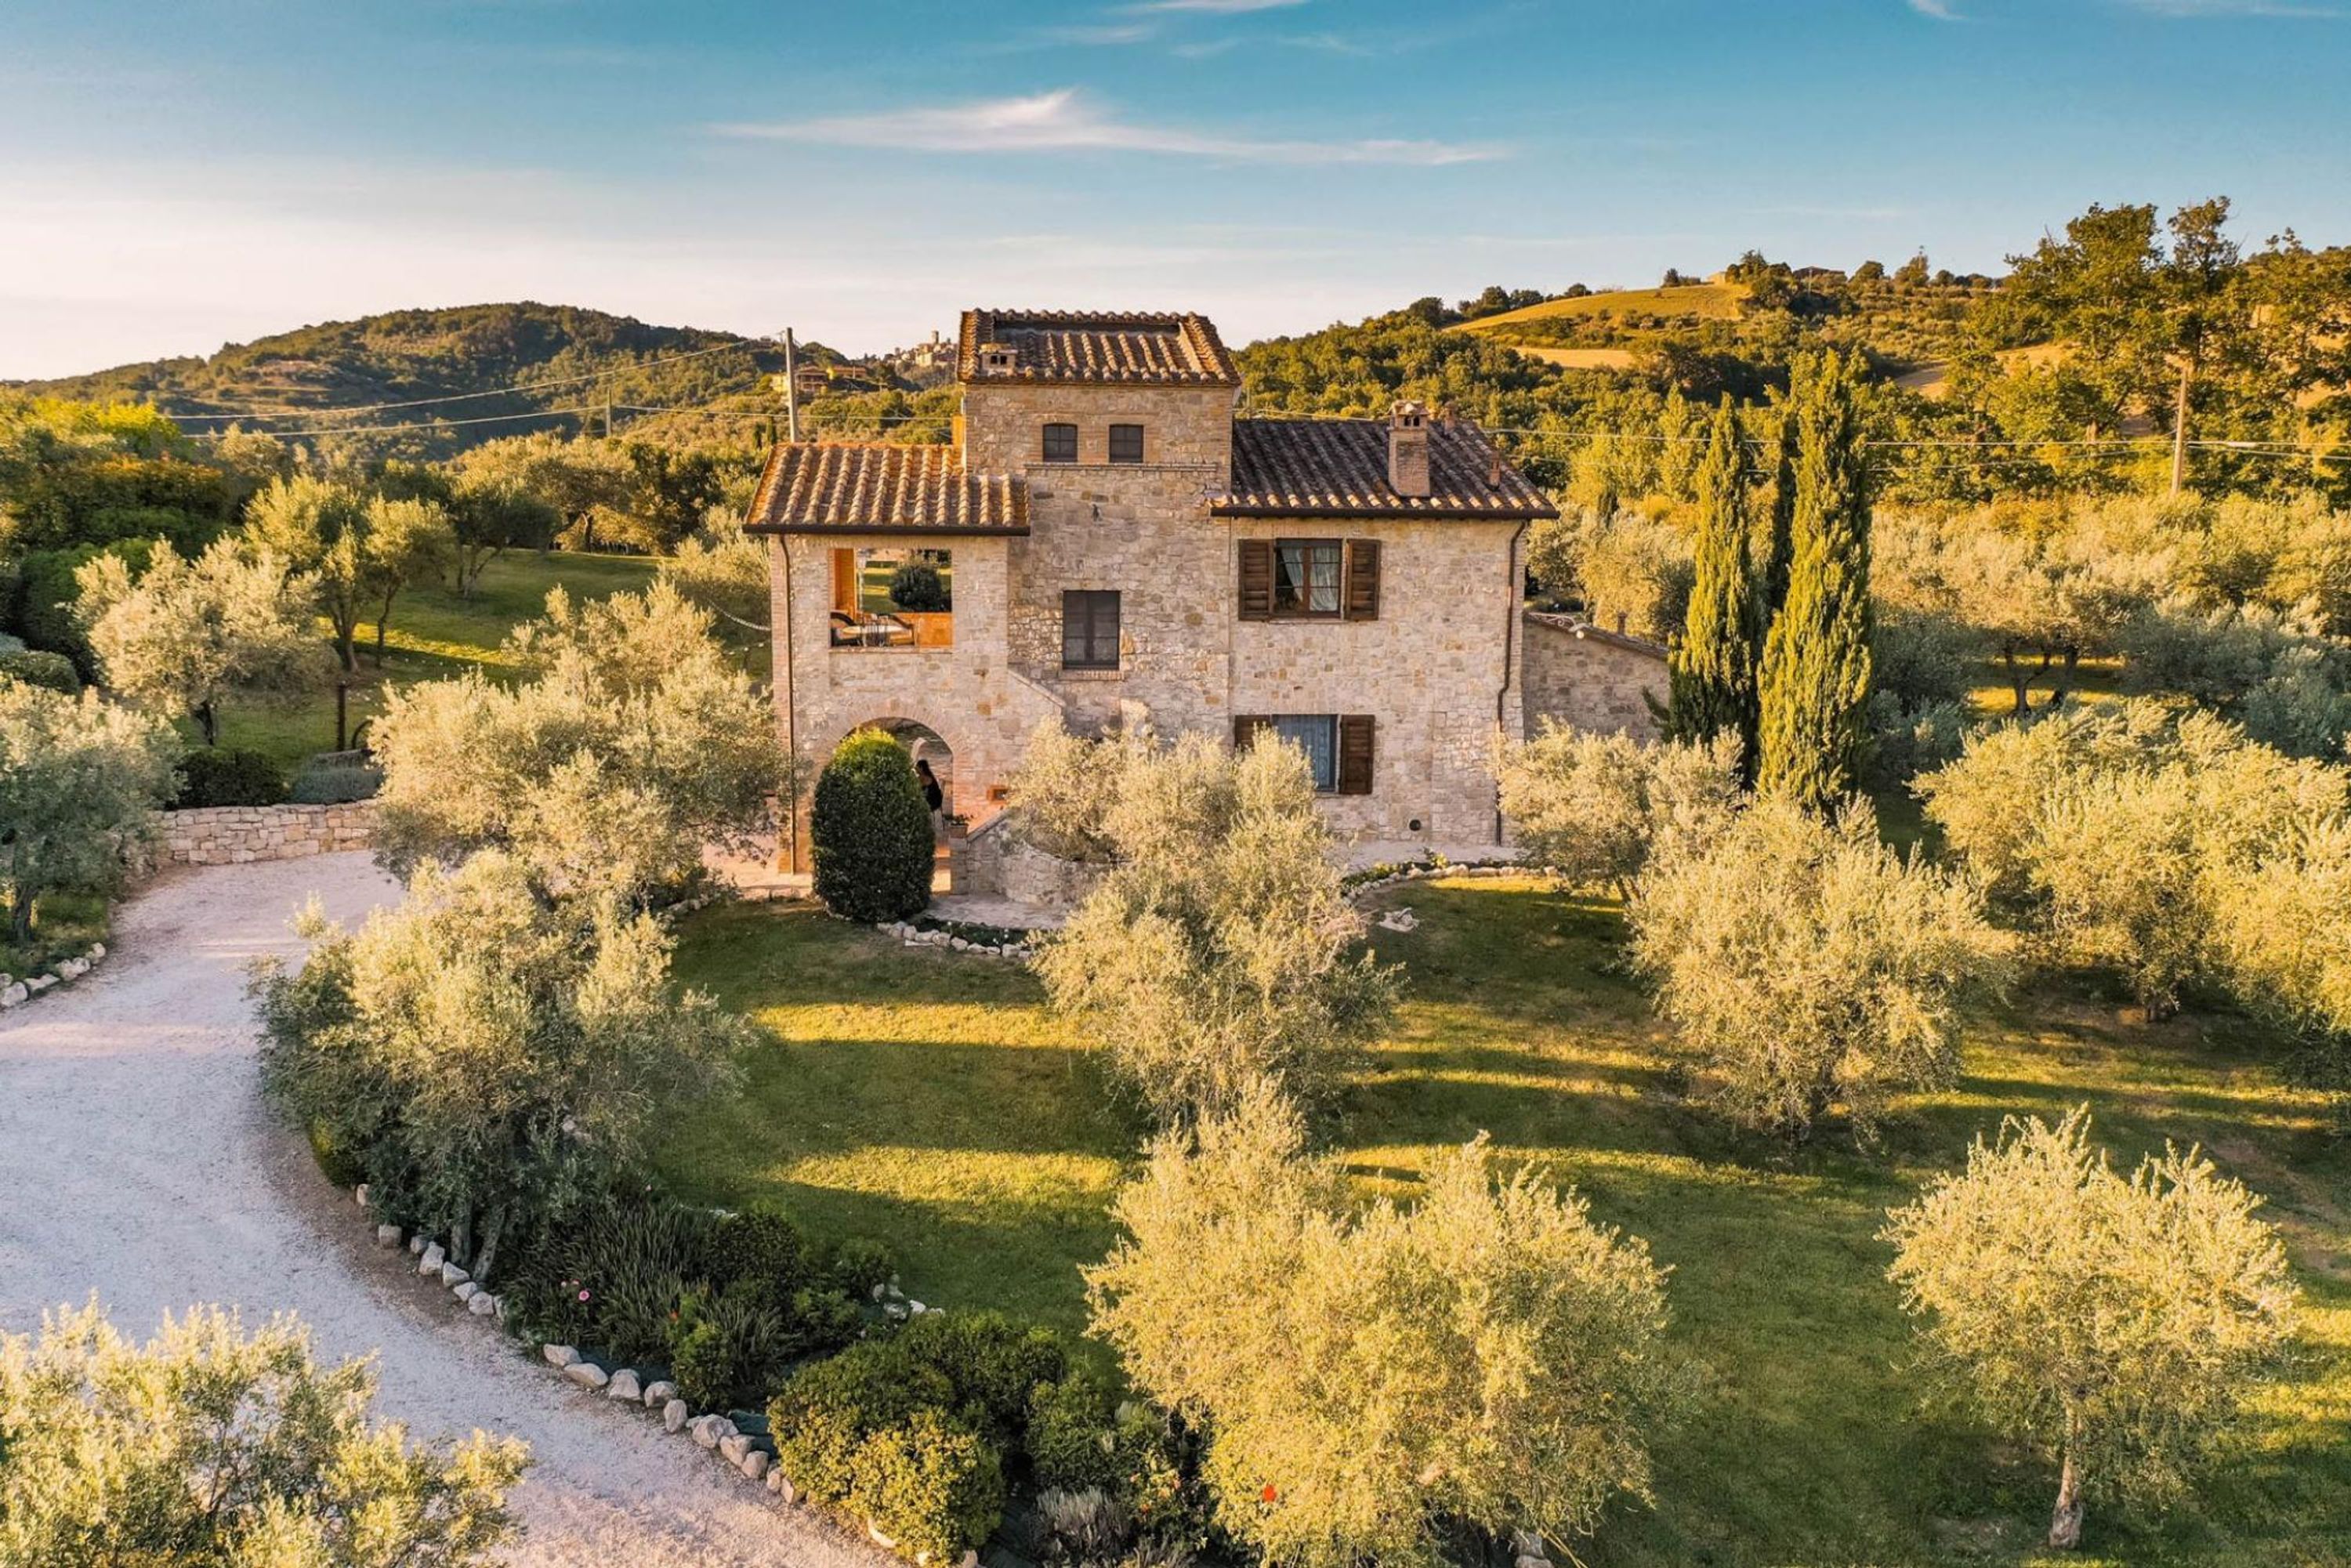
point(993, 1364)
point(762, 1244)
point(822, 1319)
point(917, 586)
point(1065, 787)
point(214, 776)
point(1073, 1433)
point(1590, 808)
point(37, 668)
point(824, 1414)
point(730, 1348)
point(930, 1484)
point(333, 781)
point(1491, 1357)
point(209, 1445)
point(1804, 964)
point(1221, 949)
point(342, 1166)
point(869, 833)
point(2120, 1326)
point(859, 1263)
point(79, 778)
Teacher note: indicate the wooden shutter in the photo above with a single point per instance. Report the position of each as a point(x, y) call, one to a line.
point(1257, 579)
point(1247, 728)
point(1362, 581)
point(1356, 753)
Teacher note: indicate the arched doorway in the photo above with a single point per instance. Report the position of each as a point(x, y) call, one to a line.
point(923, 744)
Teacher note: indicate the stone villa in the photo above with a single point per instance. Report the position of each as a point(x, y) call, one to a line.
point(1105, 542)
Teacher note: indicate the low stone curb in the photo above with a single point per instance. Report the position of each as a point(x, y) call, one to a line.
point(914, 935)
point(15, 993)
point(749, 1455)
point(1429, 871)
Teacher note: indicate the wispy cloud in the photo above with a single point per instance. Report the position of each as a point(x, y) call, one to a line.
point(1940, 10)
point(1065, 122)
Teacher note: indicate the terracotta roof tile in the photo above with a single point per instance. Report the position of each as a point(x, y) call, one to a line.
point(1339, 467)
point(1075, 347)
point(874, 487)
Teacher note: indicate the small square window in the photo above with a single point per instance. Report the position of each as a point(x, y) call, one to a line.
point(1126, 443)
point(1306, 577)
point(1090, 629)
point(1060, 444)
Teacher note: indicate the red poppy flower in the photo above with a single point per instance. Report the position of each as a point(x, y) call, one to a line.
point(1268, 1495)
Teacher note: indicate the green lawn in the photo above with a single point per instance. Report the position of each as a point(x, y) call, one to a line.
point(434, 634)
point(925, 1097)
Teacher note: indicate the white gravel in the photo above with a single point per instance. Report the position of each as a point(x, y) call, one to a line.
point(138, 1162)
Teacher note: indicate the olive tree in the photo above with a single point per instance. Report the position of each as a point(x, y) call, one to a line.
point(361, 549)
point(488, 1054)
point(1220, 949)
point(185, 636)
point(635, 741)
point(1804, 965)
point(1590, 808)
point(210, 1446)
point(79, 781)
point(1066, 787)
point(2119, 1325)
point(1491, 1356)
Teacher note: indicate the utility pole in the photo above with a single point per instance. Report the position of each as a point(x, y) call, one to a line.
point(791, 388)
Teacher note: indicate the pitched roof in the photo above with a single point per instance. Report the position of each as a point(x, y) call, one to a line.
point(1584, 630)
point(1339, 468)
point(874, 487)
point(1054, 348)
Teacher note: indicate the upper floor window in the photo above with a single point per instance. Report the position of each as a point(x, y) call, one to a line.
point(1306, 577)
point(1126, 443)
point(1090, 629)
point(1060, 444)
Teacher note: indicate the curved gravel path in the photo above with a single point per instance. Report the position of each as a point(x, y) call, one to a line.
point(137, 1161)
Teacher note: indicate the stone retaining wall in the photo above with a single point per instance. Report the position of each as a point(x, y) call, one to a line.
point(233, 835)
point(1028, 875)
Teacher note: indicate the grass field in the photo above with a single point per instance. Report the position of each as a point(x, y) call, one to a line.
point(1705, 301)
point(434, 634)
point(928, 1098)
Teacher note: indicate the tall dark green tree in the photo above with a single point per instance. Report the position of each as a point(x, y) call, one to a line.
point(1816, 660)
point(1711, 668)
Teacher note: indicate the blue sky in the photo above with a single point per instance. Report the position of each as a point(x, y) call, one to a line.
point(173, 176)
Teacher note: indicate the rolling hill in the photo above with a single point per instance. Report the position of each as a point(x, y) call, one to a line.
point(442, 367)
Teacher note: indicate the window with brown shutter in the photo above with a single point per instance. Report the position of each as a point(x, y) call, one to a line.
point(1356, 753)
point(1257, 579)
point(1363, 580)
point(1247, 728)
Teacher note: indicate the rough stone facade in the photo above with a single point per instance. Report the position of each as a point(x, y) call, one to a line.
point(233, 835)
point(1437, 669)
point(1026, 874)
point(1591, 679)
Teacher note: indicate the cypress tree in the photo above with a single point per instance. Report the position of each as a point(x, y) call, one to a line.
point(1711, 668)
point(1816, 660)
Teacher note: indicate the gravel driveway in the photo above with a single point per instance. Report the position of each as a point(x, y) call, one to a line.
point(137, 1161)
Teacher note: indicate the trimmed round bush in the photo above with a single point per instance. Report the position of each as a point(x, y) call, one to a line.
point(36, 667)
point(824, 1415)
point(993, 1363)
point(762, 1244)
point(918, 586)
point(871, 831)
point(859, 1263)
point(931, 1485)
point(219, 776)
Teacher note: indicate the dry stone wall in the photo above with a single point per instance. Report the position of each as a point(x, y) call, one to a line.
point(1591, 679)
point(234, 835)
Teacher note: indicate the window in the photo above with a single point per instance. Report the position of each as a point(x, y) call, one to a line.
point(1306, 577)
point(887, 597)
point(1317, 735)
point(1060, 444)
point(1126, 443)
point(1090, 629)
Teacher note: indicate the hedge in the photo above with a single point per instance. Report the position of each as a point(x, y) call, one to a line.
point(216, 776)
point(869, 833)
point(37, 667)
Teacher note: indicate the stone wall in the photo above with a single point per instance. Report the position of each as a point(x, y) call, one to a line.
point(1591, 679)
point(1026, 874)
point(233, 835)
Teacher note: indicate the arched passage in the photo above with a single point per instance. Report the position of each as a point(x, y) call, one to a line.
point(924, 743)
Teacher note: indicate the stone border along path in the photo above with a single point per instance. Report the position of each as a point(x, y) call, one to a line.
point(139, 1163)
point(15, 993)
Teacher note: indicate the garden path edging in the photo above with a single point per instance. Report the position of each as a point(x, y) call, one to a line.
point(62, 972)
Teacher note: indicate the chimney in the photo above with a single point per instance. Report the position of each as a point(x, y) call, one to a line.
point(1408, 449)
point(998, 356)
